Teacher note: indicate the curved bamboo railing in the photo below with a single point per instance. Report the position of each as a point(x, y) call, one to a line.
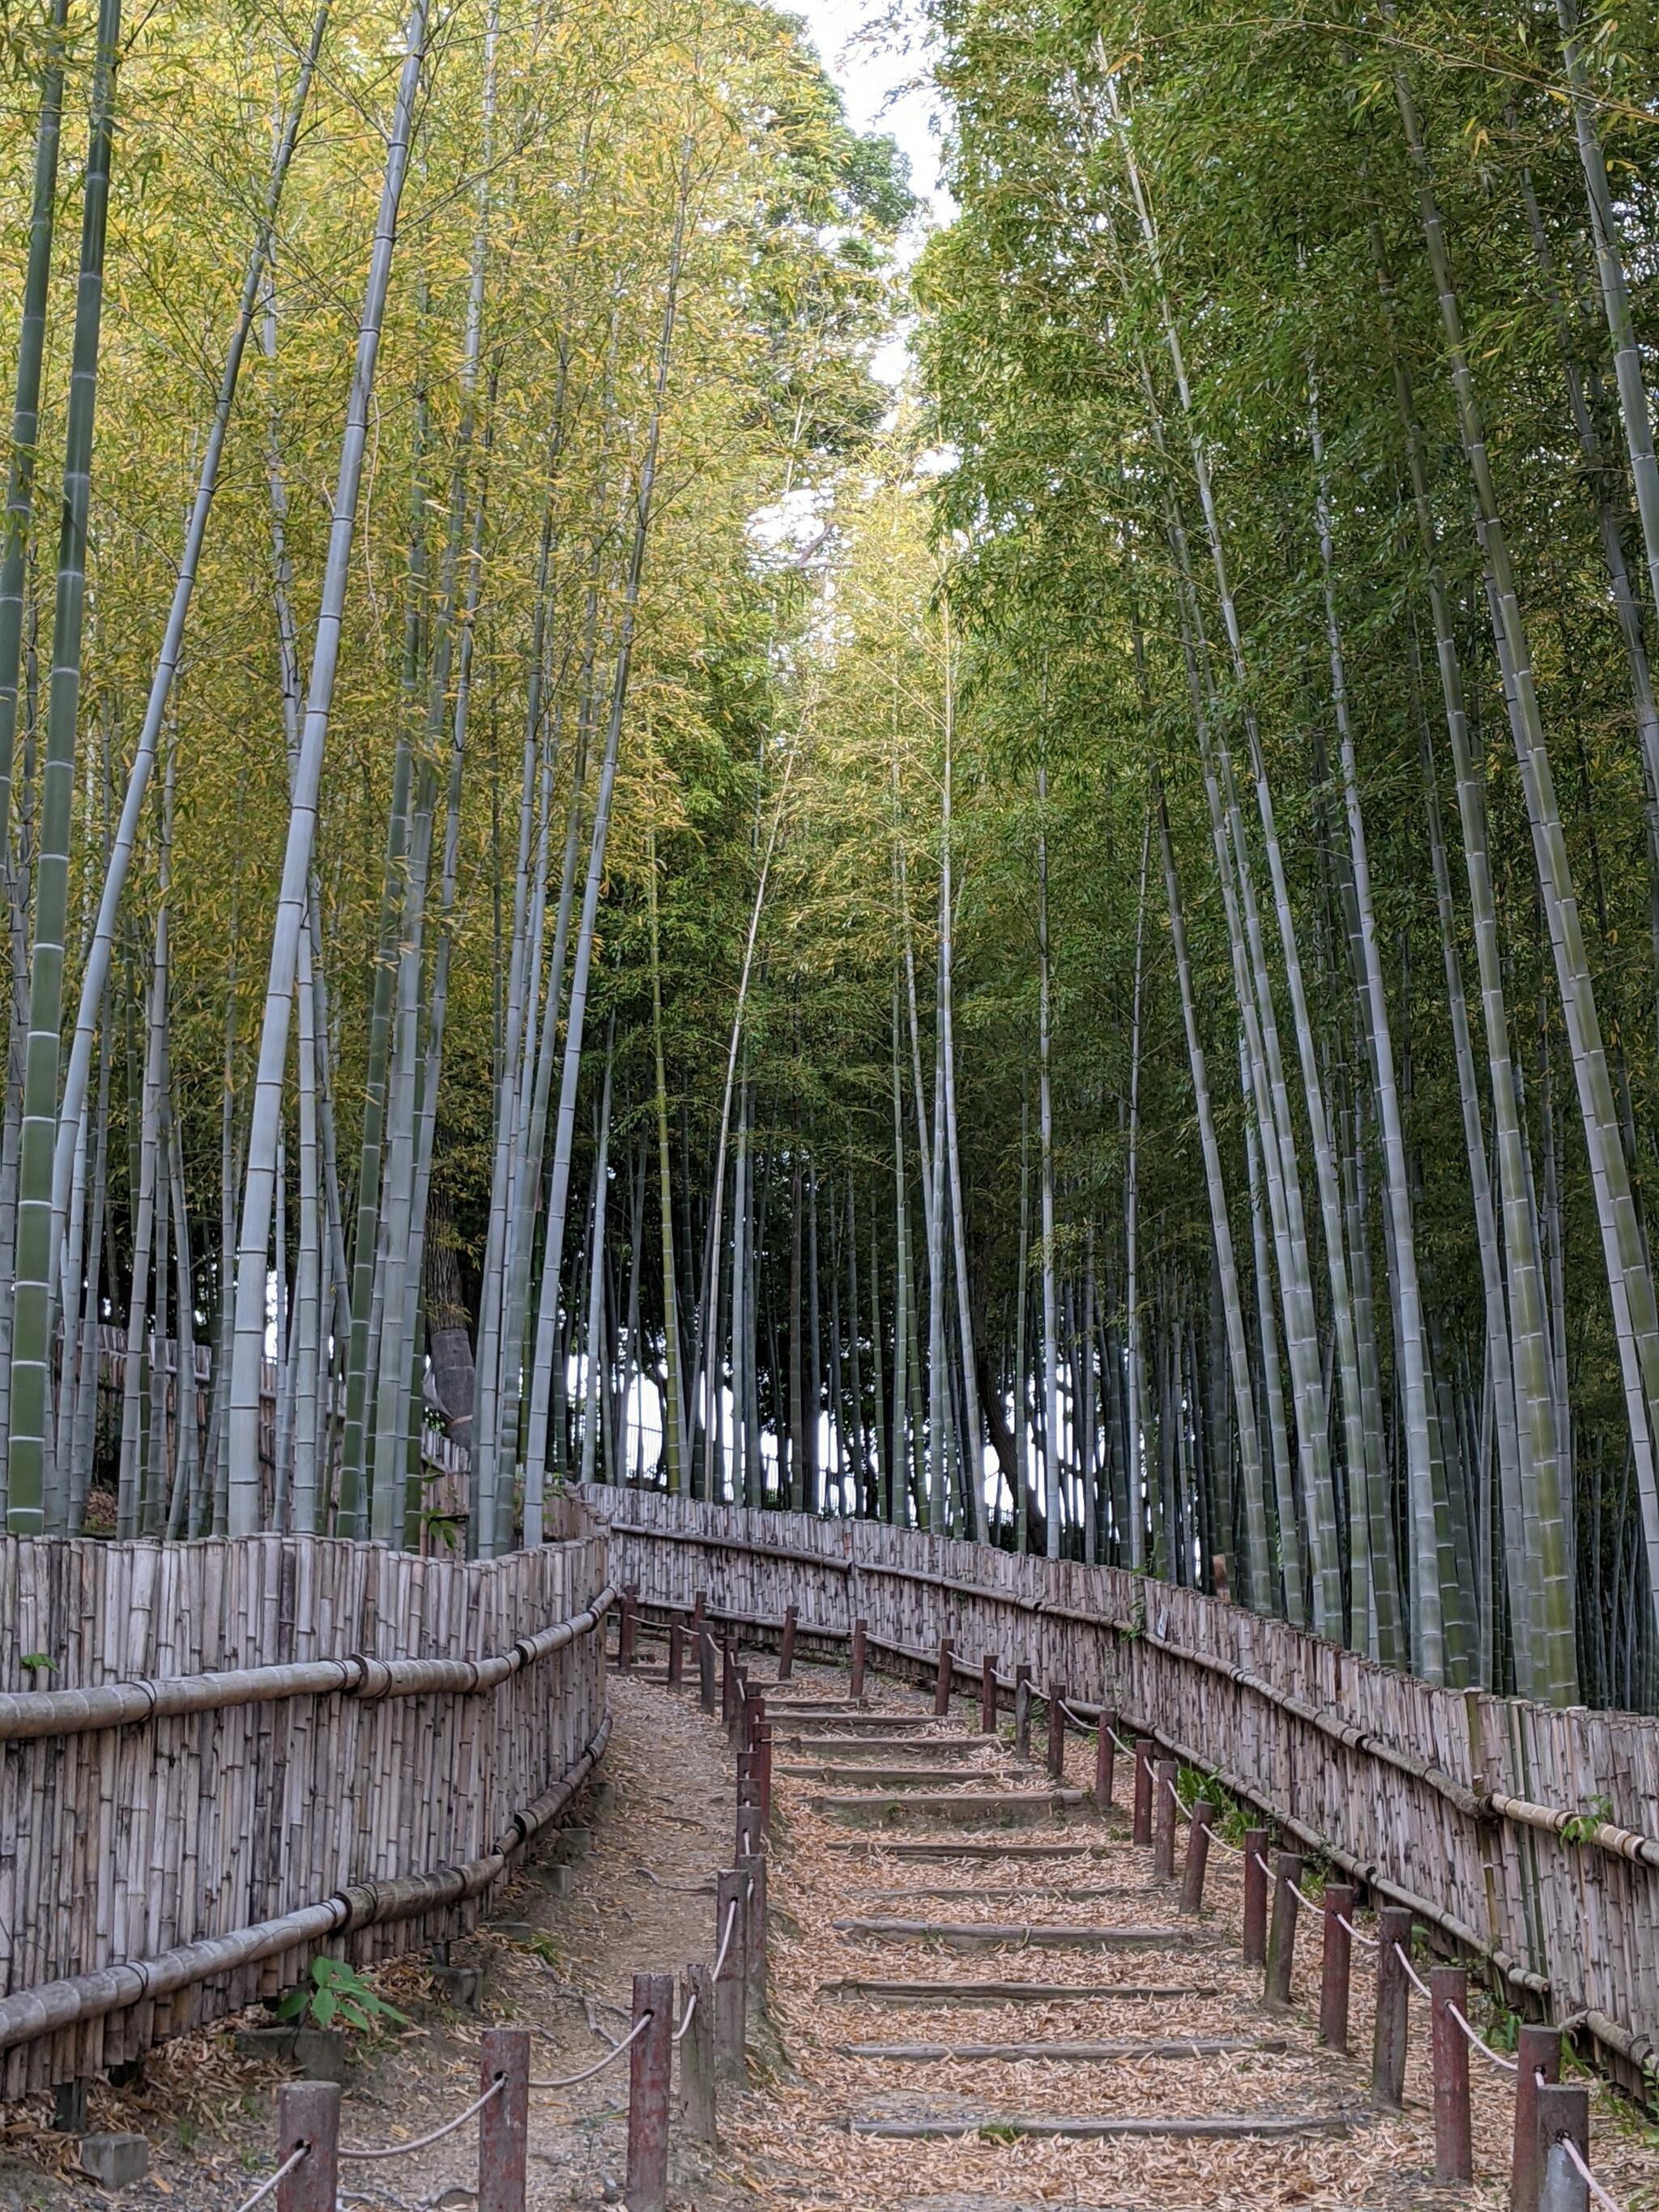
point(219, 1758)
point(1528, 1838)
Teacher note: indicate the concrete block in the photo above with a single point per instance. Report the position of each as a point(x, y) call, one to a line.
point(458, 1985)
point(115, 2161)
point(601, 1797)
point(572, 1843)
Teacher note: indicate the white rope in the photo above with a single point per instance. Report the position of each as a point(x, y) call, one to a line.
point(402, 2150)
point(1182, 1813)
point(599, 2064)
point(691, 2014)
point(1313, 1903)
point(726, 1940)
point(1585, 2175)
point(1358, 1933)
point(1420, 1986)
point(1508, 2065)
point(280, 2174)
point(1233, 1850)
point(1263, 1863)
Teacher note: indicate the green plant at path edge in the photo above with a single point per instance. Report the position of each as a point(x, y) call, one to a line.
point(339, 1997)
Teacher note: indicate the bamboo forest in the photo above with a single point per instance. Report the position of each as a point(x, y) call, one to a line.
point(1059, 944)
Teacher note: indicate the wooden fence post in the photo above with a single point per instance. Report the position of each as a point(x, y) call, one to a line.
point(1056, 1752)
point(1454, 2146)
point(1141, 1833)
point(706, 1694)
point(1163, 1819)
point(1563, 2118)
point(308, 2114)
point(752, 1867)
point(988, 1695)
point(1281, 1943)
point(1105, 1759)
point(697, 2102)
point(728, 1678)
point(786, 1653)
point(650, 2069)
point(942, 1680)
point(1022, 1710)
point(1394, 1936)
point(676, 1653)
point(730, 2033)
point(628, 1626)
point(1335, 1966)
point(1255, 1938)
point(1198, 1855)
point(504, 2122)
point(860, 1632)
point(1537, 2050)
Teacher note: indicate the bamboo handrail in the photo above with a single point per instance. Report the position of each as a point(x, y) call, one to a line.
point(34, 1713)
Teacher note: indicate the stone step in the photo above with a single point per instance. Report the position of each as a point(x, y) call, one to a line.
point(1078, 2127)
point(895, 1778)
point(1014, 1807)
point(1128, 2047)
point(982, 1993)
point(1037, 1886)
point(937, 1746)
point(928, 1849)
point(992, 1934)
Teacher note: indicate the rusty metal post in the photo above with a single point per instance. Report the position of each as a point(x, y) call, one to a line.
point(650, 2073)
point(504, 2122)
point(1022, 1711)
point(752, 1867)
point(308, 2114)
point(628, 1626)
point(697, 2098)
point(787, 1650)
point(676, 1653)
point(1202, 1812)
point(988, 1695)
point(1163, 1819)
point(1563, 2118)
point(1142, 1831)
point(1281, 1942)
point(1537, 2050)
point(942, 1679)
point(749, 1810)
point(1105, 1759)
point(1394, 1936)
point(1335, 1963)
point(731, 2032)
point(1454, 2144)
point(706, 1695)
point(855, 1686)
point(1255, 1938)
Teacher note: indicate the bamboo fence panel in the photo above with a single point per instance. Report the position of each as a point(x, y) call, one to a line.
point(1454, 1802)
point(201, 1808)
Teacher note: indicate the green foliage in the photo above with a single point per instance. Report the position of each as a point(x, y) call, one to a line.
point(340, 1996)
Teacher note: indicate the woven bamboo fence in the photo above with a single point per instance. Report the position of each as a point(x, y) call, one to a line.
point(242, 1754)
point(1527, 1838)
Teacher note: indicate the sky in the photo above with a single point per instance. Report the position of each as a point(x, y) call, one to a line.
point(876, 78)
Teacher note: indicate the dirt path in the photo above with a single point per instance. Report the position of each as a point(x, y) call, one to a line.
point(562, 1947)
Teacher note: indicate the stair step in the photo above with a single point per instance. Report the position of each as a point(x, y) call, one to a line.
point(942, 1894)
point(893, 1777)
point(1013, 1806)
point(1000, 1993)
point(993, 1934)
point(937, 1746)
point(1204, 2047)
point(1082, 2127)
point(928, 1849)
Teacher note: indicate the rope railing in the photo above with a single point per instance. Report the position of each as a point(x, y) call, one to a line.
point(1358, 1933)
point(437, 2134)
point(569, 2080)
point(1494, 2057)
point(1412, 1974)
point(294, 2158)
point(1584, 2174)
